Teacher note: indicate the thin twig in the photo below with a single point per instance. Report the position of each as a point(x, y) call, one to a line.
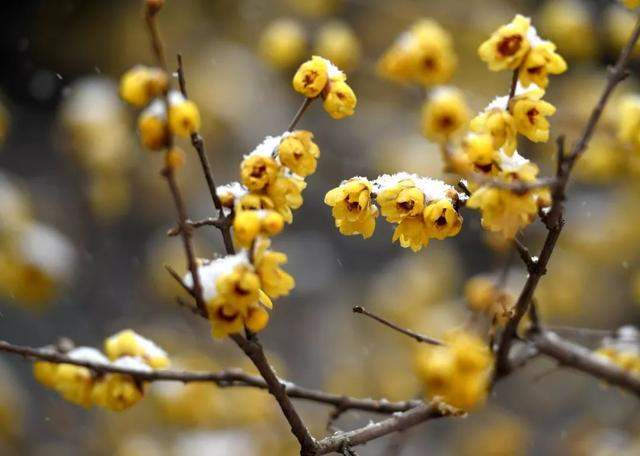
point(406, 332)
point(303, 107)
point(525, 255)
point(514, 85)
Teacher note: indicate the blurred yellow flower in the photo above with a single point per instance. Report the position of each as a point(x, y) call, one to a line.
point(563, 20)
point(337, 41)
point(129, 343)
point(283, 43)
point(140, 84)
point(184, 116)
point(444, 114)
point(116, 392)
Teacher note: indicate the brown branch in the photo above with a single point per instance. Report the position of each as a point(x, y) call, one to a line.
point(396, 423)
point(210, 221)
point(224, 378)
point(579, 358)
point(525, 255)
point(150, 13)
point(303, 107)
point(554, 219)
point(514, 85)
point(253, 349)
point(198, 144)
point(406, 332)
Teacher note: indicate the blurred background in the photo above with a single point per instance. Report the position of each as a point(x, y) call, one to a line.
point(84, 213)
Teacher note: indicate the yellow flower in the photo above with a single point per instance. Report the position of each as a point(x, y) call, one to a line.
point(239, 287)
point(225, 318)
point(529, 114)
point(257, 318)
point(631, 4)
point(441, 219)
point(629, 120)
point(352, 207)
point(401, 200)
point(274, 280)
point(423, 55)
point(540, 62)
point(116, 392)
point(479, 149)
point(153, 130)
point(458, 372)
point(311, 77)
point(286, 194)
point(129, 343)
point(504, 211)
point(507, 46)
point(444, 115)
point(299, 153)
point(412, 232)
point(254, 202)
point(339, 100)
point(74, 383)
point(500, 125)
point(283, 43)
point(246, 226)
point(45, 373)
point(257, 171)
point(184, 116)
point(140, 85)
point(337, 42)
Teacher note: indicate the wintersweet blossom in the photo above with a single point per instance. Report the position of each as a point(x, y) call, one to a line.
point(352, 207)
point(530, 113)
point(140, 84)
point(507, 46)
point(444, 114)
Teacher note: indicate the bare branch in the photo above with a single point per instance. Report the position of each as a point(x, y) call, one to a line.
point(303, 107)
point(396, 423)
point(406, 332)
point(579, 358)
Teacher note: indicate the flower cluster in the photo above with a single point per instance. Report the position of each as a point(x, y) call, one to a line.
point(421, 55)
point(517, 46)
point(458, 372)
point(503, 210)
point(237, 291)
point(623, 349)
point(111, 391)
point(318, 77)
point(238, 288)
point(422, 208)
point(484, 296)
point(144, 86)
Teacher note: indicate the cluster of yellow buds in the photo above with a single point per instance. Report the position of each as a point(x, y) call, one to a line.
point(318, 77)
point(483, 295)
point(36, 261)
point(422, 208)
point(112, 391)
point(272, 181)
point(144, 86)
point(238, 289)
point(623, 349)
point(517, 46)
point(458, 372)
point(283, 43)
point(421, 55)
